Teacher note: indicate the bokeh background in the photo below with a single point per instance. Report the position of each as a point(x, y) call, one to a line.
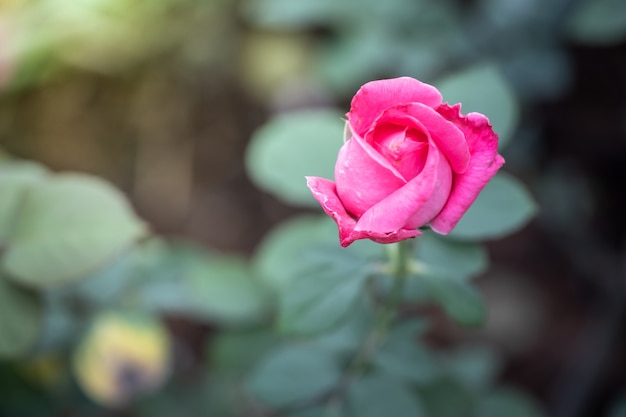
point(161, 98)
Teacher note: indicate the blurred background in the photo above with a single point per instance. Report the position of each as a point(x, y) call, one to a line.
point(161, 98)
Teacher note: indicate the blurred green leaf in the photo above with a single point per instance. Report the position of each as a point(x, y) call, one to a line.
point(291, 146)
point(459, 299)
point(319, 300)
point(447, 398)
point(348, 336)
point(293, 374)
point(508, 402)
point(290, 247)
point(225, 288)
point(475, 367)
point(279, 256)
point(437, 255)
point(68, 227)
point(598, 22)
point(484, 90)
point(188, 280)
point(318, 412)
point(382, 396)
point(287, 14)
point(503, 207)
point(238, 351)
point(403, 356)
point(21, 319)
point(15, 178)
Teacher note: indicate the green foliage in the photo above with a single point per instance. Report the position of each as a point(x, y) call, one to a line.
point(459, 299)
point(381, 396)
point(404, 357)
point(503, 207)
point(187, 280)
point(21, 319)
point(67, 227)
point(509, 402)
point(291, 146)
point(293, 374)
point(433, 255)
point(318, 300)
point(598, 22)
point(484, 90)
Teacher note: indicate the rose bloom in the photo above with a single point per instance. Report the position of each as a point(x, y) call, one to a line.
point(408, 160)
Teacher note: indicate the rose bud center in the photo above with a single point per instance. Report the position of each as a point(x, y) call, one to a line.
point(404, 147)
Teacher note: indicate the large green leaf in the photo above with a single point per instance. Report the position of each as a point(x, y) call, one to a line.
point(320, 299)
point(403, 356)
point(293, 374)
point(437, 255)
point(484, 90)
point(190, 281)
point(291, 146)
point(68, 227)
point(476, 367)
point(503, 207)
point(15, 178)
point(459, 299)
point(21, 319)
point(282, 254)
point(382, 396)
point(508, 402)
point(329, 411)
point(598, 22)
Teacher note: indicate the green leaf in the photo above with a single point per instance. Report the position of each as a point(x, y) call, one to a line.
point(508, 402)
point(459, 299)
point(382, 396)
point(68, 227)
point(291, 146)
point(190, 281)
point(293, 374)
point(484, 90)
point(503, 207)
point(21, 320)
point(404, 357)
point(238, 351)
point(598, 22)
point(475, 367)
point(318, 301)
point(279, 256)
point(288, 249)
point(348, 336)
point(438, 256)
point(330, 411)
point(447, 398)
point(224, 288)
point(15, 178)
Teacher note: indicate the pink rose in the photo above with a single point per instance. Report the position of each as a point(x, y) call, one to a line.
point(408, 161)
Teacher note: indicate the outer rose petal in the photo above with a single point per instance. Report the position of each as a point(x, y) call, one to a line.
point(448, 137)
point(396, 212)
point(376, 96)
point(483, 165)
point(363, 177)
point(324, 191)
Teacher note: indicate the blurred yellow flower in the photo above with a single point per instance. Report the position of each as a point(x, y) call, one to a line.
point(123, 355)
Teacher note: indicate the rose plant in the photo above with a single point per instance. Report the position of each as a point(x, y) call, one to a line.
point(408, 160)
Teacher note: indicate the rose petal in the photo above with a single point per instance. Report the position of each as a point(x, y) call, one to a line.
point(395, 212)
point(449, 139)
point(325, 192)
point(363, 177)
point(376, 96)
point(483, 165)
